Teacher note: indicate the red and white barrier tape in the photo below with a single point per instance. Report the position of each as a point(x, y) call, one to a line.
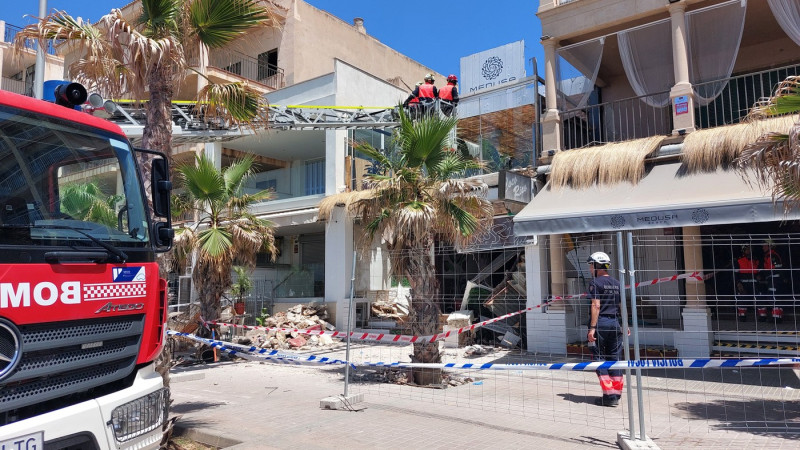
point(394, 338)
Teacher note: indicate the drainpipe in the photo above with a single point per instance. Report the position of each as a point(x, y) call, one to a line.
point(38, 80)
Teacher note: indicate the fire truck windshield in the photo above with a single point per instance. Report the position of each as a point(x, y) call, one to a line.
point(57, 177)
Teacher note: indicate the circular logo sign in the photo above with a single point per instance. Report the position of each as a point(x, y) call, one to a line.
point(700, 215)
point(10, 348)
point(492, 68)
point(617, 221)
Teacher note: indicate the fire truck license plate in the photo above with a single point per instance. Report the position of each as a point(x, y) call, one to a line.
point(33, 441)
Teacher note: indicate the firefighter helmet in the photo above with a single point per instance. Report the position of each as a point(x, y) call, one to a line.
point(452, 78)
point(429, 77)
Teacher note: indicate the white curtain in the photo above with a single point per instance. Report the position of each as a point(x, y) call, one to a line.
point(646, 54)
point(787, 13)
point(714, 35)
point(577, 67)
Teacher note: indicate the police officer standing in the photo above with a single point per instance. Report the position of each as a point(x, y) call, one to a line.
point(605, 331)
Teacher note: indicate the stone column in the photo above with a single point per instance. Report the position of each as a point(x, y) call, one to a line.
point(693, 262)
point(551, 122)
point(681, 95)
point(697, 337)
point(335, 161)
point(338, 265)
point(213, 151)
point(547, 331)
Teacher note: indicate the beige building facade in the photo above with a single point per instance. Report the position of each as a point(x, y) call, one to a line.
point(645, 109)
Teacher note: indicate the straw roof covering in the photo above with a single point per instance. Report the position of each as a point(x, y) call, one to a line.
point(606, 164)
point(327, 204)
point(706, 150)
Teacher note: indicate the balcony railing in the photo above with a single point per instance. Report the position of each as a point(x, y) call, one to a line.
point(634, 118)
point(15, 86)
point(738, 96)
point(247, 67)
point(11, 33)
point(616, 121)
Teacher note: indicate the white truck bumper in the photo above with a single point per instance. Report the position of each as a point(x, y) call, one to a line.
point(138, 408)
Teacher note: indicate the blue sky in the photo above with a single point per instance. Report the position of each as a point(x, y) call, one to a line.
point(437, 34)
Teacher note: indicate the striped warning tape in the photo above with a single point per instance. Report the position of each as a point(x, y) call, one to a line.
point(399, 338)
point(694, 275)
point(676, 363)
point(595, 365)
point(255, 353)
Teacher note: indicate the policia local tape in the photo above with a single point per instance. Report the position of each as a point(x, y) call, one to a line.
point(397, 338)
point(678, 363)
point(609, 365)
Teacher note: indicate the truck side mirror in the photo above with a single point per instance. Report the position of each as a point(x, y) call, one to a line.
point(161, 186)
point(164, 234)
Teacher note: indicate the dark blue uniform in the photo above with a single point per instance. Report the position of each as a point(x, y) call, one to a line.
point(608, 334)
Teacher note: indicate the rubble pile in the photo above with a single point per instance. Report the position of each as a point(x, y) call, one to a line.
point(403, 376)
point(389, 304)
point(308, 317)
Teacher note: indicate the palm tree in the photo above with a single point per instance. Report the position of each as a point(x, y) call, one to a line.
point(226, 233)
point(412, 204)
point(149, 55)
point(775, 157)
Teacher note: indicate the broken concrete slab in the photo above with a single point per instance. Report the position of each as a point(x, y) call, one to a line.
point(341, 402)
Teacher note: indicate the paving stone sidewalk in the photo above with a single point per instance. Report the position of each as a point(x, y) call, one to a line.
point(267, 405)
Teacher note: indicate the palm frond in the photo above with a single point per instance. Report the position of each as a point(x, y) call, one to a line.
point(234, 103)
point(203, 181)
point(237, 173)
point(214, 242)
point(160, 17)
point(218, 22)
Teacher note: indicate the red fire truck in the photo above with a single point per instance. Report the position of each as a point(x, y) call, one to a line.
point(82, 307)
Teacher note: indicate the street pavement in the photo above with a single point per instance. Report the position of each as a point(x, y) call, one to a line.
point(257, 405)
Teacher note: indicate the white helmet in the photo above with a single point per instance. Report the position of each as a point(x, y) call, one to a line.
point(599, 258)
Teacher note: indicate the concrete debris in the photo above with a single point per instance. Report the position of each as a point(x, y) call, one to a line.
point(403, 376)
point(477, 350)
point(306, 317)
point(389, 304)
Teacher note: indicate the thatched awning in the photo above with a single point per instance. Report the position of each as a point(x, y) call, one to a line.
point(668, 196)
point(705, 150)
point(606, 164)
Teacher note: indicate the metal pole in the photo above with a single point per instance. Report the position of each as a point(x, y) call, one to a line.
point(537, 146)
point(349, 326)
point(38, 78)
point(632, 277)
point(625, 340)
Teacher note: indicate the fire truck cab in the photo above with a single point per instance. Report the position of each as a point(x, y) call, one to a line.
point(82, 307)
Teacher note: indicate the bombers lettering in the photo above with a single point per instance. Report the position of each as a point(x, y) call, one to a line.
point(22, 295)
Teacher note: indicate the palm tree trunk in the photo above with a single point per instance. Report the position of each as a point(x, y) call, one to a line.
point(425, 314)
point(158, 134)
point(209, 295)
